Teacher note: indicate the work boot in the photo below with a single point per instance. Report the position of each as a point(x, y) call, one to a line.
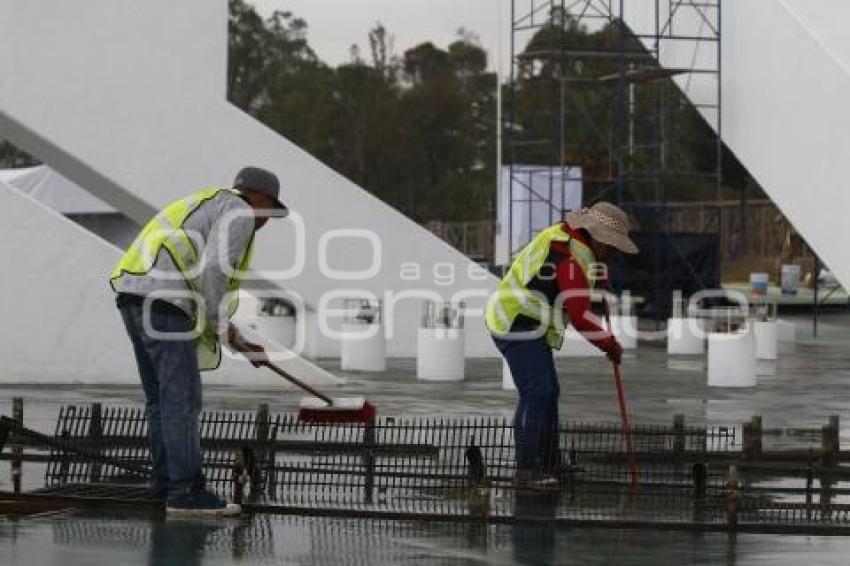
point(200, 503)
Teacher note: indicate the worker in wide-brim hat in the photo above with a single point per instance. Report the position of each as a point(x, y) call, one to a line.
point(548, 286)
point(176, 289)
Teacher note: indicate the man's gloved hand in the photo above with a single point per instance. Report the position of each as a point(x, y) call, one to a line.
point(614, 352)
point(255, 353)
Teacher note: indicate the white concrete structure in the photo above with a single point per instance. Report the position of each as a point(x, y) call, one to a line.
point(54, 191)
point(127, 99)
point(279, 329)
point(732, 358)
point(576, 346)
point(60, 323)
point(767, 339)
point(364, 347)
point(440, 354)
point(625, 329)
point(685, 336)
point(786, 82)
point(140, 122)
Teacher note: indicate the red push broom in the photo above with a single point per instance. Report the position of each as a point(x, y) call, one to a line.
point(624, 414)
point(320, 408)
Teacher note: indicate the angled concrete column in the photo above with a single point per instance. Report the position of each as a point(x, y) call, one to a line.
point(786, 83)
point(59, 322)
point(127, 99)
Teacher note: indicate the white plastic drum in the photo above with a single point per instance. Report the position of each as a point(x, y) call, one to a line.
point(767, 339)
point(363, 347)
point(577, 346)
point(732, 358)
point(440, 354)
point(685, 336)
point(625, 330)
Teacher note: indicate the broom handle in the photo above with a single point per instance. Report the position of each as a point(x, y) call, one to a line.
point(624, 414)
point(294, 380)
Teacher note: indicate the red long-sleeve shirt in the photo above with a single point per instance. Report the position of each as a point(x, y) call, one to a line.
point(572, 281)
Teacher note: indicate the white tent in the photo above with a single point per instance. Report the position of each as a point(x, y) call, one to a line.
point(531, 198)
point(55, 191)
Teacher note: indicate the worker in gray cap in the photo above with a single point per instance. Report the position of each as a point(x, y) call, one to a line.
point(176, 287)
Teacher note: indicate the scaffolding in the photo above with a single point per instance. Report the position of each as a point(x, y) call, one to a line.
point(615, 88)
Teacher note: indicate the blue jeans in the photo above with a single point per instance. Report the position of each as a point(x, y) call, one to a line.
point(536, 417)
point(172, 383)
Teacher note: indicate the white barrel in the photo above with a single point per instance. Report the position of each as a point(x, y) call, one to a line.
point(278, 329)
point(625, 330)
point(685, 336)
point(576, 346)
point(767, 339)
point(732, 358)
point(363, 347)
point(786, 330)
point(440, 354)
point(507, 377)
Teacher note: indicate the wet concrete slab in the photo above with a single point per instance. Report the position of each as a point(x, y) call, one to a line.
point(808, 383)
point(130, 539)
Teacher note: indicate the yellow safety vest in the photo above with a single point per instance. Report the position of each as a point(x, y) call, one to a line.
point(512, 296)
point(165, 231)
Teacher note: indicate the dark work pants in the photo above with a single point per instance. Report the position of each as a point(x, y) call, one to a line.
point(168, 368)
point(536, 417)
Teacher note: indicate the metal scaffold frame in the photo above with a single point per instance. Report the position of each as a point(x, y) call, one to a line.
point(610, 108)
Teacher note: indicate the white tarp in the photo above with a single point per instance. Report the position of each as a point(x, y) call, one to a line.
point(53, 190)
point(541, 196)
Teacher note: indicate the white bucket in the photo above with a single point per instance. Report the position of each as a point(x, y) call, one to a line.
point(625, 330)
point(577, 346)
point(790, 279)
point(685, 336)
point(363, 348)
point(767, 339)
point(440, 354)
point(732, 358)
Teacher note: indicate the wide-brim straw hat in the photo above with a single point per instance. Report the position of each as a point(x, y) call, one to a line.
point(606, 223)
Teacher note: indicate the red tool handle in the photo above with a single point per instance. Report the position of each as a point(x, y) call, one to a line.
point(624, 414)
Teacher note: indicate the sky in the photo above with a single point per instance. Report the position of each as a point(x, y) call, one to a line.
point(334, 25)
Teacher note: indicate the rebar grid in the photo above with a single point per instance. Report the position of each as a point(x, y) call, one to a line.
point(463, 469)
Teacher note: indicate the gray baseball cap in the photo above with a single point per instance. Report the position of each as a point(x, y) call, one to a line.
point(262, 181)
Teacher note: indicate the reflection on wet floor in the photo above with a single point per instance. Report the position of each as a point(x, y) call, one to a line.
point(99, 540)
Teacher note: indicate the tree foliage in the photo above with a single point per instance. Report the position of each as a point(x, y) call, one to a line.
point(417, 129)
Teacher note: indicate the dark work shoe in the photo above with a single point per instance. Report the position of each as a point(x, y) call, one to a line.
point(200, 503)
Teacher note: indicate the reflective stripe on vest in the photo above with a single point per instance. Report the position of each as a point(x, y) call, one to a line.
point(512, 296)
point(165, 231)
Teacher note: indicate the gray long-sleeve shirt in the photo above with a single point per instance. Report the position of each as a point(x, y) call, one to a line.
point(225, 216)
